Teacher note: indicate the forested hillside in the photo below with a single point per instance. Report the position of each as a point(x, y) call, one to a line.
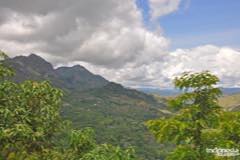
point(117, 114)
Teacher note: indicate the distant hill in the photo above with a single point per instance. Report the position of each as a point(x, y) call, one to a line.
point(230, 99)
point(230, 91)
point(161, 92)
point(174, 92)
point(115, 112)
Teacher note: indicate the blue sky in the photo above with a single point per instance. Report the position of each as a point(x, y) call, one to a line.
point(200, 22)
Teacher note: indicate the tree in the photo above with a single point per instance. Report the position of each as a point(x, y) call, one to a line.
point(198, 122)
point(29, 115)
point(109, 152)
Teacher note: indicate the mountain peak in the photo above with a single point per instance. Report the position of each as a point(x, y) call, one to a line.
point(30, 59)
point(73, 69)
point(34, 56)
point(31, 65)
point(78, 68)
point(79, 77)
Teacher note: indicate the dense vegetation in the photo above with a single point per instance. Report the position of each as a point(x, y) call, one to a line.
point(118, 119)
point(31, 127)
point(117, 114)
point(199, 123)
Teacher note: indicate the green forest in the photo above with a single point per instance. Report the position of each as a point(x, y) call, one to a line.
point(40, 120)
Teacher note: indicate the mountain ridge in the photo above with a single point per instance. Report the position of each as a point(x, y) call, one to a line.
point(36, 68)
point(71, 79)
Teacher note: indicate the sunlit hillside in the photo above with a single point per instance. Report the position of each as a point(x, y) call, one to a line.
point(230, 102)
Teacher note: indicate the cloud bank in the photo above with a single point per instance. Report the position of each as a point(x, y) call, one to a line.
point(109, 38)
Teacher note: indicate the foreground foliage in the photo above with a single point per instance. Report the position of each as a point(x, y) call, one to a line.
point(31, 127)
point(199, 122)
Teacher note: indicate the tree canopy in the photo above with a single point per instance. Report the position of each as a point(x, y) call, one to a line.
point(198, 121)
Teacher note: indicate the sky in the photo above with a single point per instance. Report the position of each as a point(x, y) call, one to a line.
point(199, 22)
point(202, 22)
point(138, 43)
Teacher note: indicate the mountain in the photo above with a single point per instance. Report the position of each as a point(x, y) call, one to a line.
point(67, 78)
point(116, 113)
point(30, 67)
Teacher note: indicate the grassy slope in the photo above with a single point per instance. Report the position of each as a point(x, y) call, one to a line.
point(230, 102)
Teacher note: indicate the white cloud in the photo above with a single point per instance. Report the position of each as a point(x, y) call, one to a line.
point(222, 61)
point(106, 33)
point(109, 38)
point(163, 7)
